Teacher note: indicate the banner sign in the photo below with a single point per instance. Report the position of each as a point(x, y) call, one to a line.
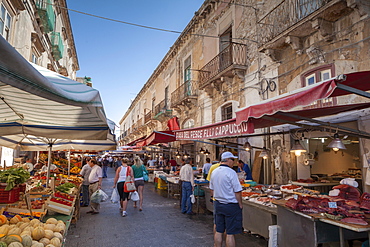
point(223, 129)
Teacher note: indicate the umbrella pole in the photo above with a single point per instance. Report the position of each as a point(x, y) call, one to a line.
point(69, 162)
point(37, 157)
point(49, 163)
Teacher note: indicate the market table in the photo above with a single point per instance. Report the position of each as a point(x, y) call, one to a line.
point(67, 219)
point(299, 229)
point(257, 217)
point(342, 226)
point(322, 187)
point(198, 184)
point(173, 185)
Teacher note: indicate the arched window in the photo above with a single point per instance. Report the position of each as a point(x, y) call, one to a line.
point(188, 124)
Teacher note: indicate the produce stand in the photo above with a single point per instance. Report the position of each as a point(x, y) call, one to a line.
point(67, 219)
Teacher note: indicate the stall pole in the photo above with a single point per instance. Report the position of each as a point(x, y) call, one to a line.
point(49, 163)
point(69, 162)
point(37, 156)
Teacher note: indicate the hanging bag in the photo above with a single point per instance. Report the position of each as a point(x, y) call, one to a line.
point(129, 183)
point(115, 196)
point(145, 174)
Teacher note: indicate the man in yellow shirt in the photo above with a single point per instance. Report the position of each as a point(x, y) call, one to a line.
point(214, 166)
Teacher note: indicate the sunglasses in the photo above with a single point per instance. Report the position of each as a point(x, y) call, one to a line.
point(232, 159)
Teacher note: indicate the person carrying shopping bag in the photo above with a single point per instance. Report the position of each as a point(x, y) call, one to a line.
point(140, 175)
point(119, 181)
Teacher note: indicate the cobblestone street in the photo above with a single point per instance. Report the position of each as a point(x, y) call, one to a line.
point(159, 224)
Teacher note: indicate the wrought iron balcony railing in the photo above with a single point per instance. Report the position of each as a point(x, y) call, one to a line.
point(233, 56)
point(161, 110)
point(285, 15)
point(147, 117)
point(185, 91)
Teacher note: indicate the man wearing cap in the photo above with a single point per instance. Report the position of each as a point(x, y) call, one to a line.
point(228, 205)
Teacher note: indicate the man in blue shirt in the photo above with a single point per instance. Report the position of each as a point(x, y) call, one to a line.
point(206, 167)
point(245, 167)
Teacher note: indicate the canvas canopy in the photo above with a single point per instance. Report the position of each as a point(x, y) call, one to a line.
point(39, 102)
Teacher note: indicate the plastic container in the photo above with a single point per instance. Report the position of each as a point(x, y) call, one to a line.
point(10, 196)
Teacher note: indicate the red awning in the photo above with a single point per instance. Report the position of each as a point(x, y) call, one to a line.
point(157, 137)
point(134, 142)
point(255, 116)
point(305, 96)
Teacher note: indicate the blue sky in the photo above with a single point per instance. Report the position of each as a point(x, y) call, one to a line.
point(118, 57)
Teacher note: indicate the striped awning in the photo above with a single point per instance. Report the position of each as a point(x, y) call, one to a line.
point(39, 102)
point(33, 143)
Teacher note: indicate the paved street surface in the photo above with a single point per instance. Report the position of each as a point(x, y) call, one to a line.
point(159, 224)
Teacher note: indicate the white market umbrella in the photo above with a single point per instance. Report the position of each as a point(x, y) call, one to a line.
point(39, 102)
point(33, 143)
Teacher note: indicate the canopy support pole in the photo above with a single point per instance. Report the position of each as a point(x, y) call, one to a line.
point(219, 145)
point(49, 164)
point(353, 90)
point(329, 125)
point(69, 162)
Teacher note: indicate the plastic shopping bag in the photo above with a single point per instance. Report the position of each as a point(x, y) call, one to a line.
point(96, 197)
point(135, 196)
point(192, 198)
point(115, 196)
point(104, 196)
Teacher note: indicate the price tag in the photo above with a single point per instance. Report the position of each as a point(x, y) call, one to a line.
point(295, 197)
point(332, 204)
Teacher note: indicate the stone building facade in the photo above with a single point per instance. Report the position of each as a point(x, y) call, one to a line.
point(40, 30)
point(236, 53)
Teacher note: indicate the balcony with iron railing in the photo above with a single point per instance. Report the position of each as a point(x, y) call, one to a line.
point(46, 13)
point(161, 111)
point(232, 57)
point(187, 91)
point(148, 117)
point(57, 46)
point(296, 18)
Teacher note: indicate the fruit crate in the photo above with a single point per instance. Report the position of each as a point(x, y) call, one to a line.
point(10, 196)
point(58, 207)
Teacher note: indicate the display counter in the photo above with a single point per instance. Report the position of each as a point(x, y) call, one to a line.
point(299, 229)
point(257, 218)
point(322, 187)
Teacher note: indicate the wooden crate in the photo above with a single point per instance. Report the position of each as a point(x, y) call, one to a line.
point(58, 207)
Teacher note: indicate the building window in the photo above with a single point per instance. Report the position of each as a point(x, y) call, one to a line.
point(227, 112)
point(188, 124)
point(5, 22)
point(187, 69)
point(34, 59)
point(319, 74)
point(166, 98)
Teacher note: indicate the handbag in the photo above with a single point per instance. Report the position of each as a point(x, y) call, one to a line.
point(145, 174)
point(129, 185)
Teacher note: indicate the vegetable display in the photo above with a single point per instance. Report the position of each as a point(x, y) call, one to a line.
point(65, 187)
point(13, 177)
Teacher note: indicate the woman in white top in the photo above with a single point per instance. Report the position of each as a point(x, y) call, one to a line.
point(119, 181)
